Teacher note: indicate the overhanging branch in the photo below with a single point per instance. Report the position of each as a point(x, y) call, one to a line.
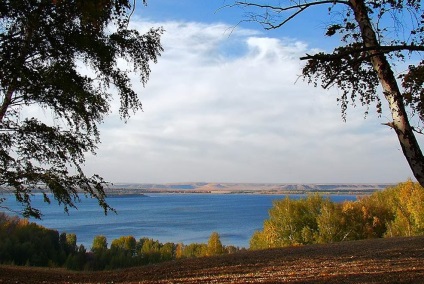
point(381, 49)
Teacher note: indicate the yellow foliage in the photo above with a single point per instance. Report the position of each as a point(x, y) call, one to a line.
point(395, 211)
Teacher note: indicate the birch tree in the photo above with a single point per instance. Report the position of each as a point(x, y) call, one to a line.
point(43, 44)
point(375, 34)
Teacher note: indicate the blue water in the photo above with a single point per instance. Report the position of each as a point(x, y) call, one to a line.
point(186, 218)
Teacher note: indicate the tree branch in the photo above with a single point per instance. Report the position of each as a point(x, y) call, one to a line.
point(282, 9)
point(300, 7)
point(272, 27)
point(6, 103)
point(382, 49)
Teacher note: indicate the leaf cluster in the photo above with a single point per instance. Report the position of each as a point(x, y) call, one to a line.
point(398, 26)
point(349, 70)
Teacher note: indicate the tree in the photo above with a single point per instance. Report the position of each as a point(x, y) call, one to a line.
point(215, 246)
point(406, 203)
point(291, 222)
point(167, 251)
point(150, 250)
point(195, 250)
point(99, 243)
point(126, 243)
point(375, 34)
point(71, 241)
point(68, 242)
point(43, 43)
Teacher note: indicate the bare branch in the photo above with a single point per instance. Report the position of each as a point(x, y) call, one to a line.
point(298, 6)
point(286, 20)
point(418, 130)
point(389, 124)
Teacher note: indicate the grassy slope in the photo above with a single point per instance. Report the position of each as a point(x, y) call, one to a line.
point(395, 260)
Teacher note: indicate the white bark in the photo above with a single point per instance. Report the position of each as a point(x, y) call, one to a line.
point(410, 147)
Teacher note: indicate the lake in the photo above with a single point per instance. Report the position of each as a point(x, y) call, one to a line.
point(186, 218)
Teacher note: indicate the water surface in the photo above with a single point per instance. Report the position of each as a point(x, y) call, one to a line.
point(186, 218)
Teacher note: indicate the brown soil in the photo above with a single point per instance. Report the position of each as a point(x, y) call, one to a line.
point(393, 260)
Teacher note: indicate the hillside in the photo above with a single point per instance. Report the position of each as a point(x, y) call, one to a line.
point(393, 260)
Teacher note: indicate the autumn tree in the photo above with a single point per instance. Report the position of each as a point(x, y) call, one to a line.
point(215, 246)
point(99, 243)
point(375, 35)
point(291, 222)
point(61, 57)
point(395, 211)
point(406, 201)
point(126, 243)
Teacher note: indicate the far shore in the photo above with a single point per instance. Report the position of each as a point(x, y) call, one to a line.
point(245, 188)
point(357, 189)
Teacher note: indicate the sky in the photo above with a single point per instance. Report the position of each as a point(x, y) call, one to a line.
point(225, 103)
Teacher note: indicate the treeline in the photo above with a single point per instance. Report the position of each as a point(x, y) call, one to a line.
point(395, 211)
point(126, 252)
point(25, 243)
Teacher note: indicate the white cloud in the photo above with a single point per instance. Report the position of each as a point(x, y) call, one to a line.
point(227, 105)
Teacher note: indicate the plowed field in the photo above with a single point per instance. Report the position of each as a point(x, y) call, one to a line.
point(394, 260)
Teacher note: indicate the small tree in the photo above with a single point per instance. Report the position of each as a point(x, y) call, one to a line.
point(214, 245)
point(375, 34)
point(99, 243)
point(43, 44)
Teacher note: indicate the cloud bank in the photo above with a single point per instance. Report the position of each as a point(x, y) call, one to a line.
point(227, 105)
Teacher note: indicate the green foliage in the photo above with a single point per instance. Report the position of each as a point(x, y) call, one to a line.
point(43, 44)
point(330, 224)
point(24, 243)
point(195, 250)
point(150, 250)
point(396, 211)
point(291, 222)
point(77, 260)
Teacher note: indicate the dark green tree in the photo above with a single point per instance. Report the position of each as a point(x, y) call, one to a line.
point(375, 35)
point(43, 44)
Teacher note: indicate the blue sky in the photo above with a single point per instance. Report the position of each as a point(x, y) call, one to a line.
point(225, 103)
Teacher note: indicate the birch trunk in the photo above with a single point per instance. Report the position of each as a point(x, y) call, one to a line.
point(410, 147)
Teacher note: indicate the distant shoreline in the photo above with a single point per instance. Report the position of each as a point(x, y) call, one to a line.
point(245, 188)
point(236, 188)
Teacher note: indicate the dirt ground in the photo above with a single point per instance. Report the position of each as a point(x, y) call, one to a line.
point(394, 260)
